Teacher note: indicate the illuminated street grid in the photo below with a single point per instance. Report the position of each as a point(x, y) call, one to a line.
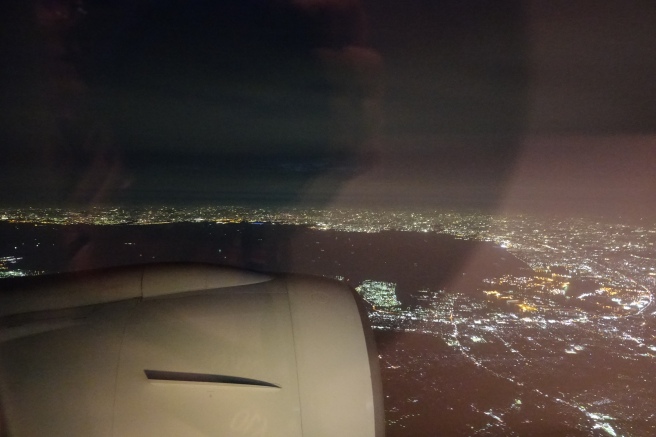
point(587, 315)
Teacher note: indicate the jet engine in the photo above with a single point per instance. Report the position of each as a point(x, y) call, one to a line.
point(185, 350)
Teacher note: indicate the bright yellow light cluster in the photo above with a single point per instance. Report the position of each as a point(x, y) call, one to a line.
point(527, 308)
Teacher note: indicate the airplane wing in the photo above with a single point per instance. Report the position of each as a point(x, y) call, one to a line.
point(186, 350)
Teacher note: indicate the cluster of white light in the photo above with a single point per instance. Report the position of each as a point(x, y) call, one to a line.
point(381, 295)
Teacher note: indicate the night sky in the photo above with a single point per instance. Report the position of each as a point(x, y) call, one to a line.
point(506, 105)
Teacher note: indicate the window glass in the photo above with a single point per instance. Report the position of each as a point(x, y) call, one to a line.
point(480, 172)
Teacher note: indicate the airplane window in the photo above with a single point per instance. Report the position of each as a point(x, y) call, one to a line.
point(481, 173)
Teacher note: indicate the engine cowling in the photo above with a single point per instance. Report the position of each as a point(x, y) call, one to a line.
point(191, 350)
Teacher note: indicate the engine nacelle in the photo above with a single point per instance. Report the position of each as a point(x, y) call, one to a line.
point(186, 350)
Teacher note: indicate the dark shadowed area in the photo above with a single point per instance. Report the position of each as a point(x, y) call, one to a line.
point(430, 103)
